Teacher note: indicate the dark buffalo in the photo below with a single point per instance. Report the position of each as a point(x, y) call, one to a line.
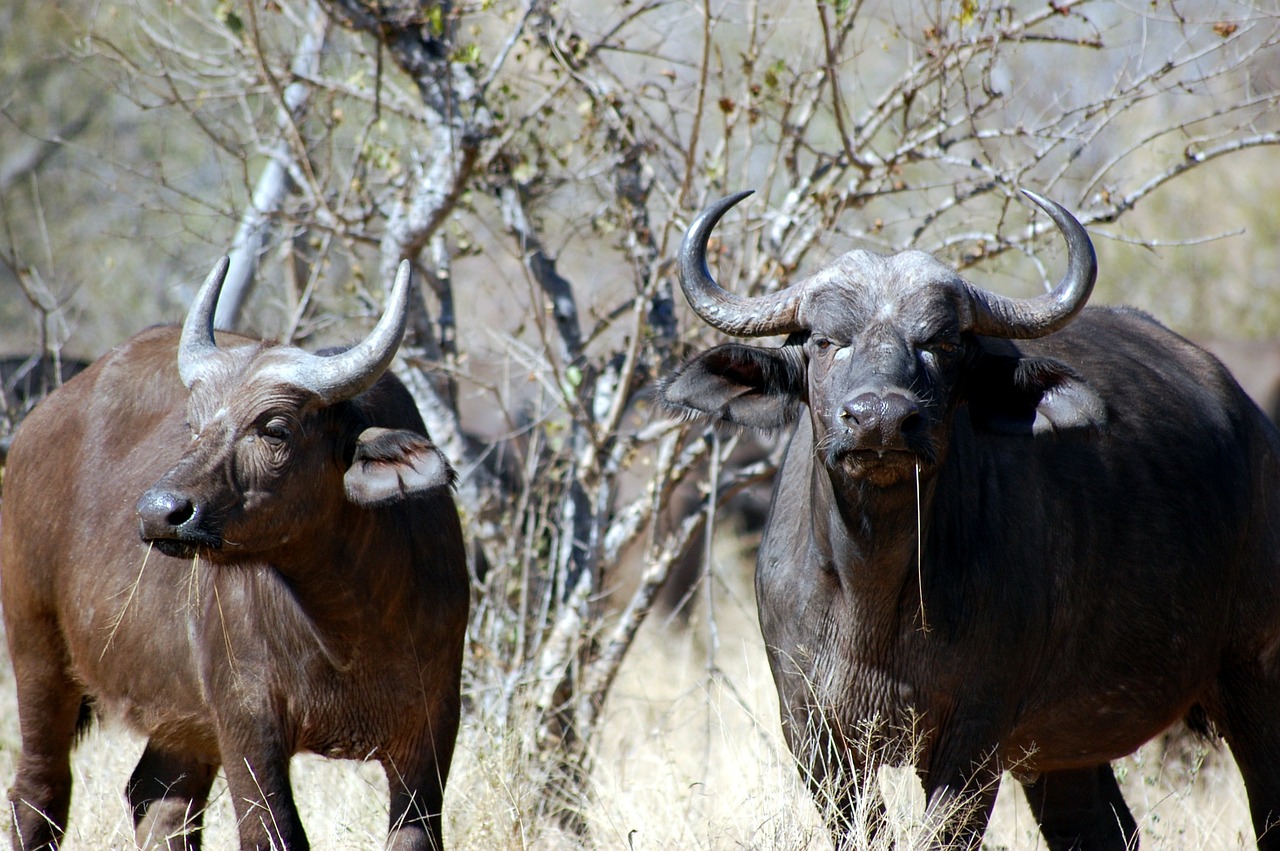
point(24, 381)
point(743, 507)
point(1099, 530)
point(246, 551)
point(1256, 365)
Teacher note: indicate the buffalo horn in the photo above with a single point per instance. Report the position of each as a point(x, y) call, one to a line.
point(196, 348)
point(1022, 319)
point(347, 374)
point(761, 316)
point(331, 377)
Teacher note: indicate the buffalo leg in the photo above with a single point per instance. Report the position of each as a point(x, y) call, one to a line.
point(958, 801)
point(1248, 722)
point(853, 809)
point(49, 706)
point(1081, 809)
point(257, 769)
point(167, 794)
point(416, 804)
point(837, 758)
point(956, 817)
point(417, 786)
point(844, 785)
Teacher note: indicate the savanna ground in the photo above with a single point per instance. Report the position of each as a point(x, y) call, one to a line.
point(691, 757)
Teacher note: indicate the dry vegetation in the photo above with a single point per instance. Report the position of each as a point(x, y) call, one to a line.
point(690, 757)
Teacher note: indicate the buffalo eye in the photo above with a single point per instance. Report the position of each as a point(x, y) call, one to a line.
point(942, 349)
point(822, 343)
point(275, 431)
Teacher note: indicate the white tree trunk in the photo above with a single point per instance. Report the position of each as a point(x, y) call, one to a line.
point(273, 183)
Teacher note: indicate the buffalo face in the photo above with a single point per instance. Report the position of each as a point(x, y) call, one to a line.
point(882, 350)
point(272, 427)
point(882, 364)
point(251, 446)
point(258, 453)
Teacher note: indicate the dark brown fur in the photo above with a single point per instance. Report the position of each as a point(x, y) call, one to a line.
point(295, 620)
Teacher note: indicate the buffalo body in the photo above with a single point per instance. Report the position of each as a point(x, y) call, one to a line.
point(242, 569)
point(1004, 536)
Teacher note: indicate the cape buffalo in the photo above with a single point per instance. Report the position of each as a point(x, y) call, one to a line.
point(246, 551)
point(1006, 535)
point(1256, 365)
point(24, 381)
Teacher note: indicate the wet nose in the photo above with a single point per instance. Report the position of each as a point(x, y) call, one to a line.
point(882, 419)
point(163, 513)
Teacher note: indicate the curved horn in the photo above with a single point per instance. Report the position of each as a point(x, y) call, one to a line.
point(196, 346)
point(346, 375)
point(1022, 319)
point(762, 316)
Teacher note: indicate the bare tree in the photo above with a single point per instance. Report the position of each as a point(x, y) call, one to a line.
point(539, 161)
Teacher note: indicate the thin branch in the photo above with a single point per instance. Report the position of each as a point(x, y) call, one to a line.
point(273, 184)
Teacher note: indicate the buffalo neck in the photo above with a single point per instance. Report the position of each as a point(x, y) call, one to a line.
point(334, 599)
point(868, 534)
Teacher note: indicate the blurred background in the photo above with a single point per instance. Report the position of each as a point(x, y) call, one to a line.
point(134, 134)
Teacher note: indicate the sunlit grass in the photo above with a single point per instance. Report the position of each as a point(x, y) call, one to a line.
point(691, 757)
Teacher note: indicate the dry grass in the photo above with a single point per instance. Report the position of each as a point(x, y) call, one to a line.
point(691, 758)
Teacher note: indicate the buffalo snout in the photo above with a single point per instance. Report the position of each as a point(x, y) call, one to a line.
point(882, 420)
point(175, 522)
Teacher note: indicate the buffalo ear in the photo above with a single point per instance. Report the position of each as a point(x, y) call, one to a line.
point(741, 385)
point(1011, 394)
point(391, 464)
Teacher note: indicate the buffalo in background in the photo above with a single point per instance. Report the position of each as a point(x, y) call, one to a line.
point(24, 381)
point(244, 550)
point(1256, 365)
point(1005, 535)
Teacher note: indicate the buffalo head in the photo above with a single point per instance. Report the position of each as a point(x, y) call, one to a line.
point(269, 425)
point(881, 349)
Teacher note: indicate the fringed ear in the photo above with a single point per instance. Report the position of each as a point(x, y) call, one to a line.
point(393, 464)
point(740, 385)
point(1010, 394)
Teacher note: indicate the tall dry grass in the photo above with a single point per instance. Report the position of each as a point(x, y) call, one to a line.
point(691, 758)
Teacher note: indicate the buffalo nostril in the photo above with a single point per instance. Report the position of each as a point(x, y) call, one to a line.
point(882, 420)
point(161, 511)
point(864, 410)
point(900, 414)
point(181, 513)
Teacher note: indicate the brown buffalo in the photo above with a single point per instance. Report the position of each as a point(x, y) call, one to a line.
point(246, 551)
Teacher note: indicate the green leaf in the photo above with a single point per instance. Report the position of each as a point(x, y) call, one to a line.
point(774, 72)
point(226, 13)
point(467, 54)
point(435, 21)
